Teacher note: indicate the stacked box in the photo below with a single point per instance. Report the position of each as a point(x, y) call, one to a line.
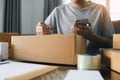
point(111, 57)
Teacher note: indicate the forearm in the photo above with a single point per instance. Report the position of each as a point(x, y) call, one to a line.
point(100, 41)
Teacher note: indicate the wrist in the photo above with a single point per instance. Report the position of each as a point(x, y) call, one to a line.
point(50, 32)
point(89, 35)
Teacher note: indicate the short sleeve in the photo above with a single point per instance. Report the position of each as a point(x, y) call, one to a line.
point(51, 19)
point(107, 26)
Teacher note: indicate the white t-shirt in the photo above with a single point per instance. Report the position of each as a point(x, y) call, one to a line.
point(62, 17)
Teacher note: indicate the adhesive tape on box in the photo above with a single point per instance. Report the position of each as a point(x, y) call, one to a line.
point(88, 62)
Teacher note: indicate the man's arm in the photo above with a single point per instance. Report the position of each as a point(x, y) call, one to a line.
point(99, 41)
point(86, 32)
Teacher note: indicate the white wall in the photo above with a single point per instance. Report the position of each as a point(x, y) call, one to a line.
point(1, 15)
point(32, 13)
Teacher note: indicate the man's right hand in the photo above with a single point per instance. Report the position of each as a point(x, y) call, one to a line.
point(42, 29)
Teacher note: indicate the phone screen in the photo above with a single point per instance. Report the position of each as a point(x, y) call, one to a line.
point(82, 22)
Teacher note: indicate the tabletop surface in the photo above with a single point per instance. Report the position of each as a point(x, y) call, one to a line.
point(62, 71)
point(106, 73)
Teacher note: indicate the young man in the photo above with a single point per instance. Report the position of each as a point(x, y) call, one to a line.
point(98, 31)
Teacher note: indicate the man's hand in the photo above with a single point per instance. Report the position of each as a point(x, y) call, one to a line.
point(86, 32)
point(81, 30)
point(42, 29)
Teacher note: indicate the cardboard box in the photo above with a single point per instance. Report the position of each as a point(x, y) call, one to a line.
point(24, 71)
point(111, 58)
point(116, 41)
point(6, 37)
point(106, 57)
point(115, 60)
point(60, 49)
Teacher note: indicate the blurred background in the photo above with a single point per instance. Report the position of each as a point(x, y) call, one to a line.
point(22, 16)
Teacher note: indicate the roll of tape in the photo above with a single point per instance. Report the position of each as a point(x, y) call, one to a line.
point(88, 62)
point(3, 50)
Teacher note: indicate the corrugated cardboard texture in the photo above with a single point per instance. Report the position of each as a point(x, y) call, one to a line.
point(6, 37)
point(116, 41)
point(111, 58)
point(62, 49)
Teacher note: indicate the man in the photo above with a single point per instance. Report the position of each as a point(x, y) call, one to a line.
point(98, 31)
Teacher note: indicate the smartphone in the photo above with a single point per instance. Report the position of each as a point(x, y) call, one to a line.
point(82, 22)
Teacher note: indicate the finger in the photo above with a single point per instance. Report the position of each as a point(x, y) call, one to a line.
point(74, 26)
point(42, 24)
point(74, 31)
point(89, 24)
point(45, 30)
point(49, 26)
point(85, 27)
point(89, 28)
point(39, 29)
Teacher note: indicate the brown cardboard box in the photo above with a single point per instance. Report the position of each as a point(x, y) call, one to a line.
point(61, 49)
point(111, 58)
point(116, 41)
point(6, 37)
point(25, 71)
point(115, 60)
point(106, 57)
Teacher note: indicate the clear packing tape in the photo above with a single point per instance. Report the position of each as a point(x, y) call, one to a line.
point(3, 51)
point(88, 62)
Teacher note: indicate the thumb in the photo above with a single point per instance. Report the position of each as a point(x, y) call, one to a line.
point(49, 26)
